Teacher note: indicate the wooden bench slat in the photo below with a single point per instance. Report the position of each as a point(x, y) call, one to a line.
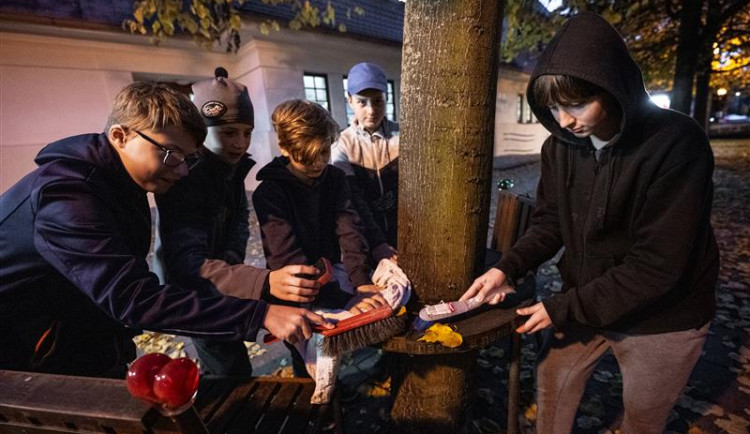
point(512, 218)
point(42, 403)
point(59, 401)
point(210, 400)
point(229, 407)
point(280, 408)
point(303, 411)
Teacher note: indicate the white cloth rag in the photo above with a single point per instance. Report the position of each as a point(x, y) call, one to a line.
point(396, 290)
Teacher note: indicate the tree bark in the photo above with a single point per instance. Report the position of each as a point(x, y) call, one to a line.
point(702, 93)
point(449, 83)
point(711, 28)
point(687, 56)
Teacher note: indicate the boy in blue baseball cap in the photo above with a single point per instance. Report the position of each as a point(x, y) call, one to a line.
point(367, 151)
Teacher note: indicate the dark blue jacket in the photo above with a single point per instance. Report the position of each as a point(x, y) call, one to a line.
point(300, 223)
point(74, 283)
point(203, 231)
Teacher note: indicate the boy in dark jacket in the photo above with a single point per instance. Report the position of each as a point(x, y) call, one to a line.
point(305, 211)
point(626, 189)
point(74, 283)
point(203, 222)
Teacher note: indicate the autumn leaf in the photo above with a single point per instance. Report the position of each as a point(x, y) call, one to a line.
point(442, 334)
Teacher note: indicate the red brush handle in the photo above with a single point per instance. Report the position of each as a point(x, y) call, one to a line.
point(345, 325)
point(359, 320)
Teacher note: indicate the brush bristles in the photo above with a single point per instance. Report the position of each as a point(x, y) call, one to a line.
point(364, 336)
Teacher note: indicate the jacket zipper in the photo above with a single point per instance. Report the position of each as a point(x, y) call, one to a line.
point(586, 221)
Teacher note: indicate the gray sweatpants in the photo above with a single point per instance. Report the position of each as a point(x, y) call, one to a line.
point(655, 369)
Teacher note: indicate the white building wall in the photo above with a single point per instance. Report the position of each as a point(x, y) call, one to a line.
point(52, 86)
point(59, 82)
point(511, 136)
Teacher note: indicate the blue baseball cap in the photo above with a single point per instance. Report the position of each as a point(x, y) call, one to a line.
point(365, 75)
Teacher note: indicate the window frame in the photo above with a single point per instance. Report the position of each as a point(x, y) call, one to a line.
point(327, 89)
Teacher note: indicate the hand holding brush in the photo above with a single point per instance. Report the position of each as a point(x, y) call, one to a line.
point(293, 324)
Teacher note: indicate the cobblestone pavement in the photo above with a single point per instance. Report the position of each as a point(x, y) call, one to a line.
point(716, 400)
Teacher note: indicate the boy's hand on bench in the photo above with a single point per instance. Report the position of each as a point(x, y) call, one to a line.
point(292, 324)
point(286, 285)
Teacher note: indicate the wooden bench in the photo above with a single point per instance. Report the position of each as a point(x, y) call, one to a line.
point(46, 403)
point(512, 218)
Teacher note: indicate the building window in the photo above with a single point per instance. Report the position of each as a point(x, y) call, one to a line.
point(519, 108)
point(390, 105)
point(316, 89)
point(529, 114)
point(349, 111)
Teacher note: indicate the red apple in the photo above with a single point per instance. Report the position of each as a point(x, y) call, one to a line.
point(176, 382)
point(141, 373)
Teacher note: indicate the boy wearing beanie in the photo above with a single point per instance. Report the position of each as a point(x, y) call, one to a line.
point(203, 222)
point(367, 152)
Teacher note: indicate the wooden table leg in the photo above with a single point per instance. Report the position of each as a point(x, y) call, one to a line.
point(514, 380)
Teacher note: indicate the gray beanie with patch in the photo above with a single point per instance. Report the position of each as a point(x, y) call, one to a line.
point(222, 101)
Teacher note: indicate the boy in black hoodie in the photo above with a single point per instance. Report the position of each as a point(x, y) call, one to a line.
point(626, 189)
point(74, 234)
point(304, 207)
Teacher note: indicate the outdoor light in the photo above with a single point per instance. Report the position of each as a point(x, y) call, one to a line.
point(736, 94)
point(721, 91)
point(660, 100)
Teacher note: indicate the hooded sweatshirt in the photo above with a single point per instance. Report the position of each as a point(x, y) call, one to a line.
point(203, 231)
point(300, 223)
point(640, 254)
point(74, 283)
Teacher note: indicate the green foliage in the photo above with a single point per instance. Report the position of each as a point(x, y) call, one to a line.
point(649, 27)
point(218, 22)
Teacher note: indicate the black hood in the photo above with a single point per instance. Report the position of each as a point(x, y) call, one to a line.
point(277, 170)
point(92, 149)
point(215, 167)
point(584, 37)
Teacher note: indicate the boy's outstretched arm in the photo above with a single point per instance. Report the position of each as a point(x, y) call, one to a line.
point(77, 234)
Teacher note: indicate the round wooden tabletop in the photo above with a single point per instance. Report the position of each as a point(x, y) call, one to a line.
point(478, 329)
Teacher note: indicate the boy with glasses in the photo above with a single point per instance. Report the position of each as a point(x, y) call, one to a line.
point(74, 234)
point(204, 228)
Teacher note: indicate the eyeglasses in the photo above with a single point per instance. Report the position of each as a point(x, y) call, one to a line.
point(173, 157)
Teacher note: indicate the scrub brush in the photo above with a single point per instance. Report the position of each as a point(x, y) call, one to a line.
point(365, 329)
point(358, 331)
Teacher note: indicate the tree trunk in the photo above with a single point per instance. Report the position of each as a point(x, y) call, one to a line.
point(449, 81)
point(703, 69)
point(702, 92)
point(687, 56)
